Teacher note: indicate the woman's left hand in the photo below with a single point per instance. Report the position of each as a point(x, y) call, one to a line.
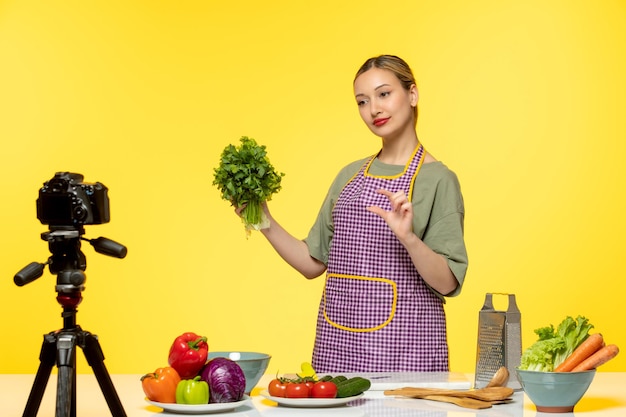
point(400, 217)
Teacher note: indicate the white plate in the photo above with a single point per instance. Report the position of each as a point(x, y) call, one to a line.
point(310, 402)
point(200, 408)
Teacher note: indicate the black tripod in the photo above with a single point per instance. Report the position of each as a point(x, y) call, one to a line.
point(59, 347)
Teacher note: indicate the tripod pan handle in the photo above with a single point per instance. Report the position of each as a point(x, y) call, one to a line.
point(29, 273)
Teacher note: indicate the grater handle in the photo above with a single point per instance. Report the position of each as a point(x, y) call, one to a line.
point(488, 302)
point(488, 306)
point(512, 304)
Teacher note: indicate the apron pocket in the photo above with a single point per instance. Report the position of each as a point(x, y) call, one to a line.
point(359, 304)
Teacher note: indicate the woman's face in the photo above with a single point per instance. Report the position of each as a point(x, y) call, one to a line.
point(385, 106)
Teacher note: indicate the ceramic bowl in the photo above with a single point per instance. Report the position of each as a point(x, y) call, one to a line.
point(555, 392)
point(253, 364)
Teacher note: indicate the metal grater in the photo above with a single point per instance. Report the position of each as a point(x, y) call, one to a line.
point(499, 342)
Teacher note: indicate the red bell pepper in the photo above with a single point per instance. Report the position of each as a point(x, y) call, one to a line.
point(188, 354)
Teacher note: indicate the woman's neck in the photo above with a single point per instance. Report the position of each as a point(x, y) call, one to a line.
point(397, 152)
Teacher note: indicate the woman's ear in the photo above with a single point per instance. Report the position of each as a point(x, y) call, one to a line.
point(414, 95)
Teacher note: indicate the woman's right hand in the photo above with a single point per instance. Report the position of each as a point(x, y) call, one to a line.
point(239, 209)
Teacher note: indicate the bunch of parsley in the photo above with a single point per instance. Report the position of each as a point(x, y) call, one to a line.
point(245, 177)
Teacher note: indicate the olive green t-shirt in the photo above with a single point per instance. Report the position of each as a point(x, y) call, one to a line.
point(438, 213)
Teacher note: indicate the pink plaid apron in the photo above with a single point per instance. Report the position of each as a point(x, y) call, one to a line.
point(376, 312)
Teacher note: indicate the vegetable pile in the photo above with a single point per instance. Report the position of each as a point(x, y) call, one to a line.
point(246, 178)
point(191, 379)
point(568, 348)
point(308, 385)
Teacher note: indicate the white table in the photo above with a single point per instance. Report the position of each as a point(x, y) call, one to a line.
point(606, 397)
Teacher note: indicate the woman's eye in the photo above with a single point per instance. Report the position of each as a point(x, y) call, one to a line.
point(385, 93)
point(361, 102)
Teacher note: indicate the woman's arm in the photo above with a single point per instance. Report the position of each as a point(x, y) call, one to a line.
point(294, 251)
point(432, 266)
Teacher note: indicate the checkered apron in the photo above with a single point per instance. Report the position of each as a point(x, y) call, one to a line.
point(376, 312)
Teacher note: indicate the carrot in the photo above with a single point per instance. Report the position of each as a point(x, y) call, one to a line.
point(602, 356)
point(587, 348)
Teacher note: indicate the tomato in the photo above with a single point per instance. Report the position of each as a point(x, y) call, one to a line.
point(324, 389)
point(310, 385)
point(277, 388)
point(297, 390)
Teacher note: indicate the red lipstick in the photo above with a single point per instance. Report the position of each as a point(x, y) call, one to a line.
point(380, 122)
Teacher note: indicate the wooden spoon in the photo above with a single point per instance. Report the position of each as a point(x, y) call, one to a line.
point(483, 394)
point(500, 378)
point(461, 402)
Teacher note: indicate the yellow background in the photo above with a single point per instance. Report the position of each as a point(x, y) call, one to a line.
point(525, 101)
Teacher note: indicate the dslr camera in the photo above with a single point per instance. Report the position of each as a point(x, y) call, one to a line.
point(65, 200)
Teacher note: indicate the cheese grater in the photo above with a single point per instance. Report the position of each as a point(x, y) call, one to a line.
point(499, 342)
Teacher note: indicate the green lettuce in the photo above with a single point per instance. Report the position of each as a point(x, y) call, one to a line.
point(573, 333)
point(540, 356)
point(554, 346)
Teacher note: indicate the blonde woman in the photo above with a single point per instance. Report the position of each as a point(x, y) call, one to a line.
point(388, 239)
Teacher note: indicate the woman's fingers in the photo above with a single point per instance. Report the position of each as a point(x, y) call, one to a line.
point(384, 192)
point(377, 210)
point(239, 209)
point(397, 199)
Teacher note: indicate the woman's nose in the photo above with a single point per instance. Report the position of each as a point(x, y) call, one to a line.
point(374, 108)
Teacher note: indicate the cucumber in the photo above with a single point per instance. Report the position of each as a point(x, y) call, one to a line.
point(338, 379)
point(326, 378)
point(353, 386)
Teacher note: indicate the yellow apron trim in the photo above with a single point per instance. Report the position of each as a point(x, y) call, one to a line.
point(417, 170)
point(406, 167)
point(366, 329)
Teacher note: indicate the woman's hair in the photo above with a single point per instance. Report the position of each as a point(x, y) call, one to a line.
point(394, 64)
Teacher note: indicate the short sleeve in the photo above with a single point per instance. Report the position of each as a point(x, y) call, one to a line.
point(444, 232)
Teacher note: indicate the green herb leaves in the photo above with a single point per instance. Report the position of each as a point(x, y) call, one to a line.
point(246, 177)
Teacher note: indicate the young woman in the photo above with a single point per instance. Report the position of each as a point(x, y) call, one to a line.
point(389, 236)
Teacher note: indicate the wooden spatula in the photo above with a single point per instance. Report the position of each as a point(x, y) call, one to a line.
point(483, 394)
point(461, 402)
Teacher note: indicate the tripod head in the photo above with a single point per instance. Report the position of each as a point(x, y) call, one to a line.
point(66, 204)
point(67, 261)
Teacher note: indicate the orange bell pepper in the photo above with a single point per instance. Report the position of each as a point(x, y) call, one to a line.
point(160, 385)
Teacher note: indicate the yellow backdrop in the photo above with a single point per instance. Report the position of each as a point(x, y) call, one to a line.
point(523, 100)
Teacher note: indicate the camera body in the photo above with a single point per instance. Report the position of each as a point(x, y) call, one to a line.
point(65, 200)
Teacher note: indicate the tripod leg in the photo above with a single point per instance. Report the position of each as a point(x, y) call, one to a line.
point(47, 358)
point(95, 359)
point(66, 385)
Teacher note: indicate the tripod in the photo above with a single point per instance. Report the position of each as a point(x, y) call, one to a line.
point(59, 347)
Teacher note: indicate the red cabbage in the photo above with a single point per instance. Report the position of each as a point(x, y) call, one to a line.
point(226, 380)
